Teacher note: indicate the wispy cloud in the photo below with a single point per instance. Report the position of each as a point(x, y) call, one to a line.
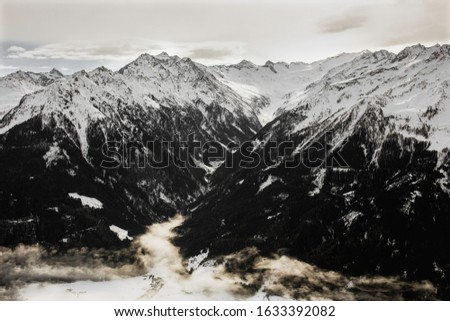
point(125, 50)
point(431, 24)
point(210, 53)
point(15, 49)
point(343, 23)
point(7, 67)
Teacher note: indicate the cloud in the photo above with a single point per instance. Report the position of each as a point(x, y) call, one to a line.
point(27, 264)
point(429, 22)
point(7, 67)
point(126, 50)
point(344, 23)
point(209, 53)
point(76, 51)
point(15, 49)
point(154, 269)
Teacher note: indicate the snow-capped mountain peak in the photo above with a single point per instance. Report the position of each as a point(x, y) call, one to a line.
point(148, 82)
point(56, 73)
point(15, 85)
point(244, 64)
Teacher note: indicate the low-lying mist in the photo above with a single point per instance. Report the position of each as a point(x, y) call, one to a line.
point(153, 269)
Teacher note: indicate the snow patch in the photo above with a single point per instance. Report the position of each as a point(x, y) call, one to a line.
point(318, 182)
point(87, 201)
point(195, 261)
point(283, 196)
point(270, 180)
point(273, 216)
point(21, 221)
point(165, 198)
point(54, 154)
point(350, 218)
point(121, 233)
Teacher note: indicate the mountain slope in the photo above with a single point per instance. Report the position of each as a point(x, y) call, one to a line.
point(56, 137)
point(14, 86)
point(370, 189)
point(272, 85)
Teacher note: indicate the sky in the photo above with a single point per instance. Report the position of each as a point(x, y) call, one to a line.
point(83, 34)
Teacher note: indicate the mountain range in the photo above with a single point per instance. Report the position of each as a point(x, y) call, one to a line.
point(368, 132)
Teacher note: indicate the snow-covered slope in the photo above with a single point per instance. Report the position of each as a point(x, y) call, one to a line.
point(274, 84)
point(411, 87)
point(183, 81)
point(147, 85)
point(14, 86)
